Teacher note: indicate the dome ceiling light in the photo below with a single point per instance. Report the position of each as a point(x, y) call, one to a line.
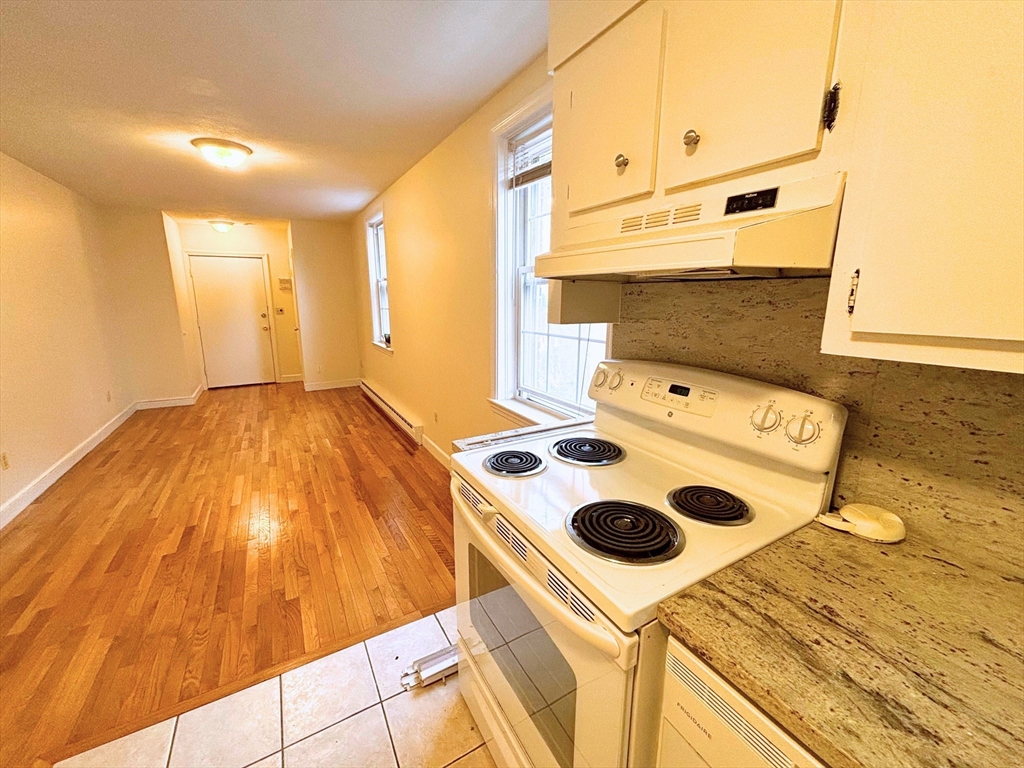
point(221, 152)
point(222, 226)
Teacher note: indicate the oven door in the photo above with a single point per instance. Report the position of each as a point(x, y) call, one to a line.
point(550, 686)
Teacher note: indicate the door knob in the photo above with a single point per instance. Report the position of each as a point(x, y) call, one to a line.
point(691, 138)
point(621, 161)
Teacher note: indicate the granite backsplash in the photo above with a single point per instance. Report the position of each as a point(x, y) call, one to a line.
point(942, 447)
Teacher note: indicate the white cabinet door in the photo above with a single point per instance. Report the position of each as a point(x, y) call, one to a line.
point(933, 219)
point(607, 99)
point(749, 78)
point(234, 319)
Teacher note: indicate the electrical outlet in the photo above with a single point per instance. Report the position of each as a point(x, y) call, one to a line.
point(4, 463)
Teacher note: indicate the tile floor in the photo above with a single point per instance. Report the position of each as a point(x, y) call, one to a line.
point(346, 710)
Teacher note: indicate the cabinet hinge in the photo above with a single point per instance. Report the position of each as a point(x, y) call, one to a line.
point(830, 111)
point(851, 300)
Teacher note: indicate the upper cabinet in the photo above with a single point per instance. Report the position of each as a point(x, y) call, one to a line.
point(743, 85)
point(607, 101)
point(929, 262)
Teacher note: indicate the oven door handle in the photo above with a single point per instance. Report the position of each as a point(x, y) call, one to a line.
point(595, 634)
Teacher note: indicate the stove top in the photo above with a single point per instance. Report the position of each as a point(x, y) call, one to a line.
point(682, 473)
point(625, 532)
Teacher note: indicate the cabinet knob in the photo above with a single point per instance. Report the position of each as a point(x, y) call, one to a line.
point(691, 138)
point(621, 161)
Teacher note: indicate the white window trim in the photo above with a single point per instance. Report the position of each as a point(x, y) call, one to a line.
point(506, 400)
point(373, 220)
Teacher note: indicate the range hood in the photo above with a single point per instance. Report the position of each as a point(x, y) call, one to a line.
point(762, 232)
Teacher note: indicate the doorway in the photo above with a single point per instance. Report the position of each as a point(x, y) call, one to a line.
point(235, 326)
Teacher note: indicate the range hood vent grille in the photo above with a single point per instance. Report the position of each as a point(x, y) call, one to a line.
point(684, 214)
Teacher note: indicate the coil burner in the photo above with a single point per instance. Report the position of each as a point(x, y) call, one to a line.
point(587, 451)
point(625, 532)
point(514, 464)
point(710, 505)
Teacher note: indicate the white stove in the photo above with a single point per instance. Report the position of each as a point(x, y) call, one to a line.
point(579, 533)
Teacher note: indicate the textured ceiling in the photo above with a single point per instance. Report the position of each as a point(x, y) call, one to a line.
point(337, 99)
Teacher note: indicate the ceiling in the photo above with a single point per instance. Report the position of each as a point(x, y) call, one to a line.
point(337, 99)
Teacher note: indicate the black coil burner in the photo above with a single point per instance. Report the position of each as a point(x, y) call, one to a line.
point(625, 532)
point(709, 505)
point(514, 463)
point(589, 451)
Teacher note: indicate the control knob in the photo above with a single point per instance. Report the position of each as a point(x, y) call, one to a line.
point(803, 430)
point(765, 418)
point(616, 381)
point(600, 378)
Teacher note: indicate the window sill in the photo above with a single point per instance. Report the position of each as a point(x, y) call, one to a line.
point(384, 348)
point(524, 414)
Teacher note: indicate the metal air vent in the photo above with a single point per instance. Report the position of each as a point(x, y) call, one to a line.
point(557, 586)
point(657, 219)
point(580, 608)
point(514, 542)
point(753, 737)
point(632, 224)
point(471, 496)
point(685, 213)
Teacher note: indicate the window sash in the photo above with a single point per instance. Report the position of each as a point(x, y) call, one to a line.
point(379, 283)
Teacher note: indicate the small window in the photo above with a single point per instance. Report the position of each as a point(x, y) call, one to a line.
point(379, 282)
point(544, 364)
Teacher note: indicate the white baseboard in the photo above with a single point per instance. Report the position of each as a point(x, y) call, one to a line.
point(437, 452)
point(314, 386)
point(14, 505)
point(19, 501)
point(169, 402)
point(289, 377)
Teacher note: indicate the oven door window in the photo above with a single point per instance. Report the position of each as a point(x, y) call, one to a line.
point(534, 682)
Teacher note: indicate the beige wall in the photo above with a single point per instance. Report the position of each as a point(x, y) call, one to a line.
point(135, 245)
point(59, 332)
point(270, 238)
point(185, 302)
point(439, 226)
point(325, 288)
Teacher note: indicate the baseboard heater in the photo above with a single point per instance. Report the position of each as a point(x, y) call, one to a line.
point(412, 430)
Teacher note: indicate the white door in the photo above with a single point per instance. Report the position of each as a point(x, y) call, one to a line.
point(234, 319)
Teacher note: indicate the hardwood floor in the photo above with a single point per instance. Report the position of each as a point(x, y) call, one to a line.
point(199, 550)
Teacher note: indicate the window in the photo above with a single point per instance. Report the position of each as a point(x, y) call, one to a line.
point(379, 281)
point(544, 364)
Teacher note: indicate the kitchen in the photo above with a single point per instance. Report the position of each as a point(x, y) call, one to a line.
point(802, 280)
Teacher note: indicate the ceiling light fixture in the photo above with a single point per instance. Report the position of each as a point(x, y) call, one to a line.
point(222, 226)
point(221, 152)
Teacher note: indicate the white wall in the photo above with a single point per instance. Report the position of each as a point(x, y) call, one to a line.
point(325, 283)
point(271, 238)
point(439, 227)
point(185, 303)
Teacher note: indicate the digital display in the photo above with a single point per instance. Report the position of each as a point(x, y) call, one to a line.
point(679, 389)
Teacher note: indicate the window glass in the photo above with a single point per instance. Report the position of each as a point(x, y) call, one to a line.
point(379, 283)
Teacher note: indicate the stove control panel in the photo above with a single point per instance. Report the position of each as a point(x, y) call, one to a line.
point(686, 398)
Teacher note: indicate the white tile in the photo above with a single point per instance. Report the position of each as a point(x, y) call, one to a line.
point(231, 732)
point(147, 748)
point(393, 651)
point(478, 758)
point(362, 741)
point(325, 691)
point(449, 623)
point(276, 760)
point(431, 726)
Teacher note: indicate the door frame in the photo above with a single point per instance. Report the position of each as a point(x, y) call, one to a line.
point(267, 293)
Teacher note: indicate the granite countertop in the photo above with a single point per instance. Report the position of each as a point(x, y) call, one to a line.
point(869, 654)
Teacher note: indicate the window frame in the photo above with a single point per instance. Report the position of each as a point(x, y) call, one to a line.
point(375, 257)
point(509, 270)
